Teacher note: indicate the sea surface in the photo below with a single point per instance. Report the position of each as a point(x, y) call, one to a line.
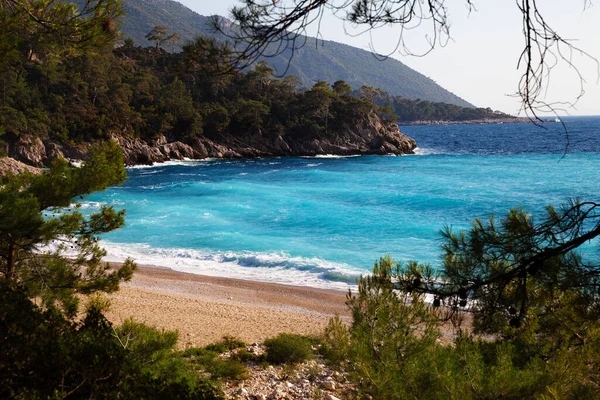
point(323, 221)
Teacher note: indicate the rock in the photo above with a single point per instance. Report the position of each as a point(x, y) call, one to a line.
point(328, 384)
point(12, 166)
point(276, 395)
point(330, 397)
point(242, 392)
point(136, 151)
point(159, 141)
point(54, 151)
point(281, 145)
point(29, 150)
point(178, 151)
point(79, 152)
point(373, 136)
point(289, 385)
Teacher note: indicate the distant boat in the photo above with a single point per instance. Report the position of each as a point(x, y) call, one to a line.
point(557, 119)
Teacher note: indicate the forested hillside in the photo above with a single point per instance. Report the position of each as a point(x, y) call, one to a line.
point(162, 105)
point(422, 111)
point(327, 60)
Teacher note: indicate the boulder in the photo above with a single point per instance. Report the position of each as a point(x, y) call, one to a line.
point(29, 150)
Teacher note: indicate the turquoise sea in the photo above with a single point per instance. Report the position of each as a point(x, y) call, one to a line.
point(323, 221)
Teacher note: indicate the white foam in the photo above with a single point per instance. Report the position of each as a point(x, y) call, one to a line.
point(418, 151)
point(262, 267)
point(90, 205)
point(331, 156)
point(187, 162)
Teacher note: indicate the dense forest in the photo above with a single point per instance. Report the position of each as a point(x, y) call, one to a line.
point(420, 111)
point(317, 60)
point(190, 96)
point(148, 92)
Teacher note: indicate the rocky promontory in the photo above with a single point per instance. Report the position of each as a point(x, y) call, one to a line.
point(374, 136)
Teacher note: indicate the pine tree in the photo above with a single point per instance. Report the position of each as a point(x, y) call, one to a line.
point(33, 217)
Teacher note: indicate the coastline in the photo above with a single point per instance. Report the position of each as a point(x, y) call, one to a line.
point(204, 309)
point(513, 120)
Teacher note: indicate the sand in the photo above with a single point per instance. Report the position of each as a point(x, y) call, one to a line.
point(204, 309)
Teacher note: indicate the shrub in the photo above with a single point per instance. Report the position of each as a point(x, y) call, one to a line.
point(287, 347)
point(50, 356)
point(228, 343)
point(244, 355)
point(220, 368)
point(335, 341)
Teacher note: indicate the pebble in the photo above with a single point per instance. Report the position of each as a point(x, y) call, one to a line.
point(329, 385)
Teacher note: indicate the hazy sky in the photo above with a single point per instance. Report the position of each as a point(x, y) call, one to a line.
point(480, 62)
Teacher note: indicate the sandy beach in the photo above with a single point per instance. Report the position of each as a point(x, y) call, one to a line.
point(204, 309)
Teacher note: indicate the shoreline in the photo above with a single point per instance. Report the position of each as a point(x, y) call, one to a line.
point(204, 308)
point(489, 121)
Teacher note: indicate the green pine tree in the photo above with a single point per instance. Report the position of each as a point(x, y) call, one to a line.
point(31, 219)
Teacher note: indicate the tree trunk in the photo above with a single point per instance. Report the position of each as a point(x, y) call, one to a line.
point(10, 264)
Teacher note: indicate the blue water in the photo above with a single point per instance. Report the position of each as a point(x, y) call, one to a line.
point(323, 221)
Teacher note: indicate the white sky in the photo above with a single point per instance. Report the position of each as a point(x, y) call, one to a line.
point(480, 62)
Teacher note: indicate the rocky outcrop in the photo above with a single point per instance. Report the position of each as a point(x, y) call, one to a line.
point(38, 153)
point(374, 136)
point(11, 166)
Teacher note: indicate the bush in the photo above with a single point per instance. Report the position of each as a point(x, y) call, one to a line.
point(50, 356)
point(225, 369)
point(228, 343)
point(335, 341)
point(287, 347)
point(244, 355)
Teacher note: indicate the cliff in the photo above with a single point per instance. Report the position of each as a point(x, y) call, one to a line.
point(373, 136)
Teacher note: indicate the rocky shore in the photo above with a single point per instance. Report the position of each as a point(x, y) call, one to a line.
point(375, 136)
point(511, 120)
point(11, 166)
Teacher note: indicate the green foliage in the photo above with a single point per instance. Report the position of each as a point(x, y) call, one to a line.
point(160, 36)
point(30, 221)
point(208, 359)
point(219, 368)
point(410, 110)
point(525, 276)
point(335, 343)
point(83, 89)
point(244, 355)
point(51, 356)
point(185, 97)
point(227, 344)
point(288, 348)
point(319, 60)
point(49, 352)
point(392, 348)
point(49, 32)
point(53, 81)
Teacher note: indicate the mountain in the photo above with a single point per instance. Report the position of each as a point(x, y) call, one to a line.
point(327, 60)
